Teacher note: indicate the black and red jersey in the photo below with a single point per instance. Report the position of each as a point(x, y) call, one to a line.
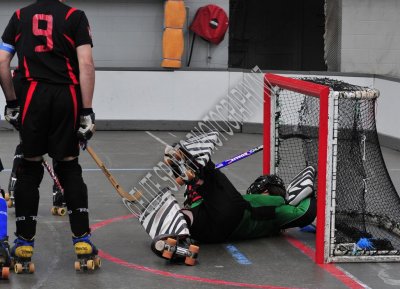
point(45, 36)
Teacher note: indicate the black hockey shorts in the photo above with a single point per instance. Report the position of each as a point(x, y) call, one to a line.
point(50, 119)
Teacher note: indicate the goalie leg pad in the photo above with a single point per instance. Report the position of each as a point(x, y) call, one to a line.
point(200, 148)
point(163, 216)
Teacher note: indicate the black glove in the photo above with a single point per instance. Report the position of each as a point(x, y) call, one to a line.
point(87, 124)
point(11, 113)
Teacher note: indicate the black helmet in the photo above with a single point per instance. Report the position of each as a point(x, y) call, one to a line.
point(266, 182)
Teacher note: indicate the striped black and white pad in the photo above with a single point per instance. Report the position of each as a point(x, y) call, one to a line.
point(301, 186)
point(201, 146)
point(163, 216)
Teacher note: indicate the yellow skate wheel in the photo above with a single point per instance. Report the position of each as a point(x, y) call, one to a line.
point(90, 264)
point(54, 211)
point(97, 262)
point(193, 249)
point(18, 268)
point(10, 203)
point(61, 211)
point(5, 273)
point(6, 196)
point(31, 268)
point(168, 253)
point(77, 266)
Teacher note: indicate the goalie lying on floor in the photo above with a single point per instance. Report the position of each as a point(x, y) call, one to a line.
point(215, 211)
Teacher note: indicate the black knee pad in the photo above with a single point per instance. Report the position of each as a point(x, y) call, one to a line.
point(70, 175)
point(32, 171)
point(67, 169)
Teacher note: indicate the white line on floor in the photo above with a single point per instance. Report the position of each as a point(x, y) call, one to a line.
point(156, 138)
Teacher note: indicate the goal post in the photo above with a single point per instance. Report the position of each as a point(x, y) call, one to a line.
point(306, 88)
point(331, 125)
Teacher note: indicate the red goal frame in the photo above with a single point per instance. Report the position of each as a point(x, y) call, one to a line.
point(319, 91)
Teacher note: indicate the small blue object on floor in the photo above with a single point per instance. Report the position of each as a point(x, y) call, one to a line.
point(309, 229)
point(365, 243)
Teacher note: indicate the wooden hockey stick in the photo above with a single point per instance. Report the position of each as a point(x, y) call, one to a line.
point(132, 198)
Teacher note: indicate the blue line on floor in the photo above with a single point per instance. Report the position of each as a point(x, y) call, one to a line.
point(237, 255)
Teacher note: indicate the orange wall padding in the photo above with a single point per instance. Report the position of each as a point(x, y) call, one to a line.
point(173, 40)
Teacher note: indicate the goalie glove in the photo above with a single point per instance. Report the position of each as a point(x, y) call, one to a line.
point(11, 113)
point(87, 124)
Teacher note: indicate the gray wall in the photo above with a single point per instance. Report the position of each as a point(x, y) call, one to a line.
point(371, 36)
point(128, 33)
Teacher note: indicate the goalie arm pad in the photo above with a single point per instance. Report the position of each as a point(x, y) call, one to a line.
point(301, 186)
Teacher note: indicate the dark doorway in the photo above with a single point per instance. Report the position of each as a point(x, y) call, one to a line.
point(277, 35)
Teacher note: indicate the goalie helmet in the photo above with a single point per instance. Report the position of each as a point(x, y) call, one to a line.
point(272, 183)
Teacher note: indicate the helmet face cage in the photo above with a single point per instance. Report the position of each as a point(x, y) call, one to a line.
point(263, 183)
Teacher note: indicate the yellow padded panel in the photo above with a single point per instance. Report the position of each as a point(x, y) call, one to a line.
point(174, 14)
point(173, 46)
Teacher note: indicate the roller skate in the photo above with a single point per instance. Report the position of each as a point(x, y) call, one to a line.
point(183, 169)
point(9, 196)
point(86, 252)
point(59, 205)
point(5, 259)
point(176, 248)
point(188, 157)
point(21, 254)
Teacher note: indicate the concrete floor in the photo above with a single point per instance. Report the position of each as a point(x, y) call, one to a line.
point(278, 262)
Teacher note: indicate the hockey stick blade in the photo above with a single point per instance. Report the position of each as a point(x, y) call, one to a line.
point(132, 198)
point(239, 157)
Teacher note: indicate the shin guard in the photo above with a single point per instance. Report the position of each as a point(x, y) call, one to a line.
point(75, 194)
point(29, 175)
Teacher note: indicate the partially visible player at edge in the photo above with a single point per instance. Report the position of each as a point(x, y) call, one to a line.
point(54, 47)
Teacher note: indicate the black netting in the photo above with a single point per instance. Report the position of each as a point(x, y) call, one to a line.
point(367, 204)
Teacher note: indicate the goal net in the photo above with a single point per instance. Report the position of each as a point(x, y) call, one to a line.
point(331, 125)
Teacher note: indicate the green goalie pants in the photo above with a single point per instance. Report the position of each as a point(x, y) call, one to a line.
point(226, 214)
point(286, 216)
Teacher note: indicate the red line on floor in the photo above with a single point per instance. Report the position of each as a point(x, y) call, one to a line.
point(330, 268)
point(109, 221)
point(121, 262)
